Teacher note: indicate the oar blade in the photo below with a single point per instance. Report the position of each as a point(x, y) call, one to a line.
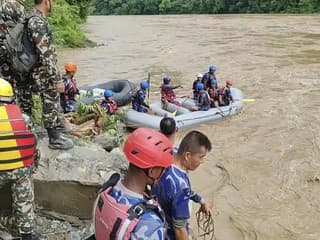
point(248, 100)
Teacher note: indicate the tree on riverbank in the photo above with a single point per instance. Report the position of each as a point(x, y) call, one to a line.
point(119, 7)
point(66, 18)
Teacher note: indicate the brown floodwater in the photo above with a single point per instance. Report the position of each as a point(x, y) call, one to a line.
point(263, 174)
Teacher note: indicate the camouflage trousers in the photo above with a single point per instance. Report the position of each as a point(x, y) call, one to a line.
point(22, 196)
point(50, 99)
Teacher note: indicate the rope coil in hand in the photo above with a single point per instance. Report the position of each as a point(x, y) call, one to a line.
point(205, 224)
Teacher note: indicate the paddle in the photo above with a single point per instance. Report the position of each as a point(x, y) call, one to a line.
point(245, 100)
point(149, 76)
point(221, 112)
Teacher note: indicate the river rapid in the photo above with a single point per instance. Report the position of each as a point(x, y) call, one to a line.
point(263, 174)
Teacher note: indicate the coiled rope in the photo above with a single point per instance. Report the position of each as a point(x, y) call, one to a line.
point(205, 224)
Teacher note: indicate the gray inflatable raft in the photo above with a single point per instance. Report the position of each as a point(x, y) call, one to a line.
point(183, 117)
point(122, 90)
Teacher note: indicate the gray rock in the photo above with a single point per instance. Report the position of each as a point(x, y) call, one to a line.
point(67, 182)
point(106, 141)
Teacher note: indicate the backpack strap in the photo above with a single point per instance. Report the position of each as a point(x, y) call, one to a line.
point(135, 212)
point(113, 180)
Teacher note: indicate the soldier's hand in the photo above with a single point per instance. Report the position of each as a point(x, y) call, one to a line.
point(60, 87)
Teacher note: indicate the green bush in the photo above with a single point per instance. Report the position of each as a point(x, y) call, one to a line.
point(65, 20)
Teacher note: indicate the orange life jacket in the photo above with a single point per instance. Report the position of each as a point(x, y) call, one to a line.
point(17, 143)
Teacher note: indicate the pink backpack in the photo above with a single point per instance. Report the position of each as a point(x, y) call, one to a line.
point(113, 220)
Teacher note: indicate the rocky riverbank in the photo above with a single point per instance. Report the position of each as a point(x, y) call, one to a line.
point(66, 186)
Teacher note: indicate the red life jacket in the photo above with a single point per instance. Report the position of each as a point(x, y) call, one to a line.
point(17, 143)
point(112, 106)
point(222, 91)
point(168, 93)
point(114, 220)
point(70, 90)
point(213, 93)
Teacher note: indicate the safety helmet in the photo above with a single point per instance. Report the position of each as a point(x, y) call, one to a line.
point(147, 148)
point(229, 82)
point(6, 92)
point(200, 75)
point(166, 80)
point(70, 67)
point(199, 86)
point(144, 85)
point(108, 93)
point(214, 81)
point(212, 68)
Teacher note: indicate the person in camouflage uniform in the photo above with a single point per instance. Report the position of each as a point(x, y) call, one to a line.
point(19, 158)
point(11, 12)
point(45, 77)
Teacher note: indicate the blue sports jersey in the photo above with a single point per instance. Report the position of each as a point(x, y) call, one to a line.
point(150, 225)
point(173, 192)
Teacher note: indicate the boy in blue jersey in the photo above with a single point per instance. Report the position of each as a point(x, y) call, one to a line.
point(173, 191)
point(149, 153)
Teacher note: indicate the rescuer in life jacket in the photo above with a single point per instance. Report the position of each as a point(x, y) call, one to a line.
point(108, 103)
point(18, 160)
point(123, 210)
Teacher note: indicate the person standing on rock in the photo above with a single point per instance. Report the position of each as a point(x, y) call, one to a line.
point(18, 160)
point(174, 192)
point(44, 78)
point(123, 210)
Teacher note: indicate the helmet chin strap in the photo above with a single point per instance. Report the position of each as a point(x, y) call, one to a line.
point(147, 174)
point(152, 178)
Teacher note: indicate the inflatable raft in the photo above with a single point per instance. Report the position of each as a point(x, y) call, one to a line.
point(122, 91)
point(183, 117)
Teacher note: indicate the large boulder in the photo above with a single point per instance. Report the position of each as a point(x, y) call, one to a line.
point(67, 181)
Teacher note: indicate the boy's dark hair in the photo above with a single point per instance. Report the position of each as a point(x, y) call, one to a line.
point(193, 141)
point(167, 126)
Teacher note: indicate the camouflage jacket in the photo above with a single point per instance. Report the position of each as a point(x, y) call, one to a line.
point(11, 12)
point(41, 35)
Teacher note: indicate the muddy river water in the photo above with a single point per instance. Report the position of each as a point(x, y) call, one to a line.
point(263, 174)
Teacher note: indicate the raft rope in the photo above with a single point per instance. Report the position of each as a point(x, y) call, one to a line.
point(205, 224)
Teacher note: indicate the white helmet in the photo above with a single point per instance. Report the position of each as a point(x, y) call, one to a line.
point(200, 75)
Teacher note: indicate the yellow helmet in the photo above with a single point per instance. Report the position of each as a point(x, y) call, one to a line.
point(6, 92)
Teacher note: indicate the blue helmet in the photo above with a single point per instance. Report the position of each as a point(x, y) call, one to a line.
point(144, 85)
point(166, 80)
point(108, 93)
point(199, 86)
point(212, 68)
point(214, 81)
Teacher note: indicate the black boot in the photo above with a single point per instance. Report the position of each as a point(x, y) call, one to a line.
point(56, 141)
point(29, 236)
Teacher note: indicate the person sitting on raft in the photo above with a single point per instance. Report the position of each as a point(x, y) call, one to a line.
point(108, 103)
point(195, 91)
point(225, 95)
point(138, 98)
point(167, 93)
point(207, 77)
point(68, 97)
point(214, 93)
point(203, 101)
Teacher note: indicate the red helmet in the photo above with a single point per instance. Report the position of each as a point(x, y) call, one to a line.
point(229, 82)
point(146, 148)
point(70, 67)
